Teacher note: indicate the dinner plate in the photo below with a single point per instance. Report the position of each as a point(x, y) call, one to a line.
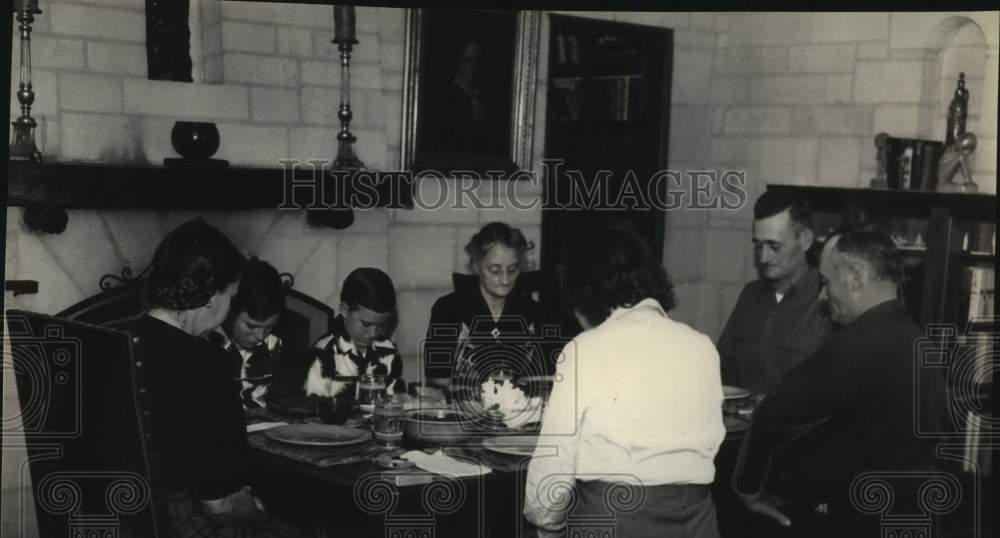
point(318, 435)
point(735, 424)
point(351, 422)
point(734, 393)
point(515, 445)
point(295, 407)
point(536, 379)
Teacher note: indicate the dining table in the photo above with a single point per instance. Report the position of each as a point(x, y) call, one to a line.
point(346, 489)
point(350, 491)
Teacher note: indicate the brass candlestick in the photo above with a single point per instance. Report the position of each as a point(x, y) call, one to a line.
point(344, 37)
point(22, 146)
point(342, 216)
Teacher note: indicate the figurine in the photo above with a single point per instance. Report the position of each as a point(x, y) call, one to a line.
point(959, 145)
point(956, 157)
point(882, 143)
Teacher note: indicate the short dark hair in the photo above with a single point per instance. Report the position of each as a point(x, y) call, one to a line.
point(613, 268)
point(371, 288)
point(496, 233)
point(773, 202)
point(192, 263)
point(262, 293)
point(872, 245)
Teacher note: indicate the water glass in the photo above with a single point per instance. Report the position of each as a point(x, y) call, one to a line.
point(388, 419)
point(371, 388)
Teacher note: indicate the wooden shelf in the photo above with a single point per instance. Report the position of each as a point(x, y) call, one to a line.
point(898, 203)
point(935, 289)
point(138, 186)
point(975, 257)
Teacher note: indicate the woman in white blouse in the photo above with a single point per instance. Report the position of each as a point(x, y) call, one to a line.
point(635, 418)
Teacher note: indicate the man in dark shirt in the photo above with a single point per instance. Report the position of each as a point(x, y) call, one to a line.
point(777, 321)
point(861, 381)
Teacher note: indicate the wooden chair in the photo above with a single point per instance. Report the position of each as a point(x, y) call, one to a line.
point(305, 320)
point(86, 426)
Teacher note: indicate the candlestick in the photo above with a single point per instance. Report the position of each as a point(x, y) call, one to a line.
point(343, 25)
point(22, 145)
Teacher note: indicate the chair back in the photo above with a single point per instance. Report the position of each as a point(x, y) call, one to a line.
point(305, 321)
point(85, 423)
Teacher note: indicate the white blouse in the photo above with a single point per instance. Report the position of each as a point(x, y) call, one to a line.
point(637, 399)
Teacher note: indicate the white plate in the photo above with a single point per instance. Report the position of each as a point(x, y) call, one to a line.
point(513, 445)
point(351, 422)
point(318, 435)
point(536, 379)
point(734, 393)
point(735, 424)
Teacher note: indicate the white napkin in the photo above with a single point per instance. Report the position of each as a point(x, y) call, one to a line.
point(261, 426)
point(439, 463)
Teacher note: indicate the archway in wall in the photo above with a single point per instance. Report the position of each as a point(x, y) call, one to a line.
point(958, 45)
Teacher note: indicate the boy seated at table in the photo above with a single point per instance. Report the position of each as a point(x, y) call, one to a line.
point(359, 343)
point(246, 334)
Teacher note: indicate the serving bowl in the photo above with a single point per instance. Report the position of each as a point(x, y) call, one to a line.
point(437, 426)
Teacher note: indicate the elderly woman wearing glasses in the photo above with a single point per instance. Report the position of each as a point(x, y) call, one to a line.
point(487, 325)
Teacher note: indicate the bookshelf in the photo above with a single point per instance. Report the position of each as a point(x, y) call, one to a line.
point(607, 112)
point(944, 238)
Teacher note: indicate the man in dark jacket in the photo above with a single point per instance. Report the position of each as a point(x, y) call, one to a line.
point(860, 389)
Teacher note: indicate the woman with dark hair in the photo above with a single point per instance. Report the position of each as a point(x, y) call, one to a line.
point(359, 342)
point(197, 423)
point(246, 334)
point(486, 324)
point(636, 412)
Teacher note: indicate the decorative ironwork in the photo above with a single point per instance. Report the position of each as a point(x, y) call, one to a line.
point(287, 280)
point(111, 280)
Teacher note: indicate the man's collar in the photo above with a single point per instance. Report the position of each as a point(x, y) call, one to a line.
point(806, 286)
point(887, 309)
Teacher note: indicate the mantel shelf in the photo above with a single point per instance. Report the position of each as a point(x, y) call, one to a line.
point(141, 186)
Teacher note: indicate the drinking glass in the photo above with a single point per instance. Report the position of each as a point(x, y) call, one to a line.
point(371, 388)
point(388, 420)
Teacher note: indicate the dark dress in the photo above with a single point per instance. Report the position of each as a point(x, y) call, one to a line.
point(198, 427)
point(465, 342)
point(197, 415)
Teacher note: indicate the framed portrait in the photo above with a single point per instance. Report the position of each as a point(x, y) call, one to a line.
point(468, 90)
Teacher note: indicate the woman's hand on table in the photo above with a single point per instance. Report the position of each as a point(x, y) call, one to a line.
point(767, 506)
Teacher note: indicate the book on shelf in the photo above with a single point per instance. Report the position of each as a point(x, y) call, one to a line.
point(572, 49)
point(563, 96)
point(981, 290)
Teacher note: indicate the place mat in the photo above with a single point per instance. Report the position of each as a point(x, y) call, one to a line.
point(497, 462)
point(318, 456)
